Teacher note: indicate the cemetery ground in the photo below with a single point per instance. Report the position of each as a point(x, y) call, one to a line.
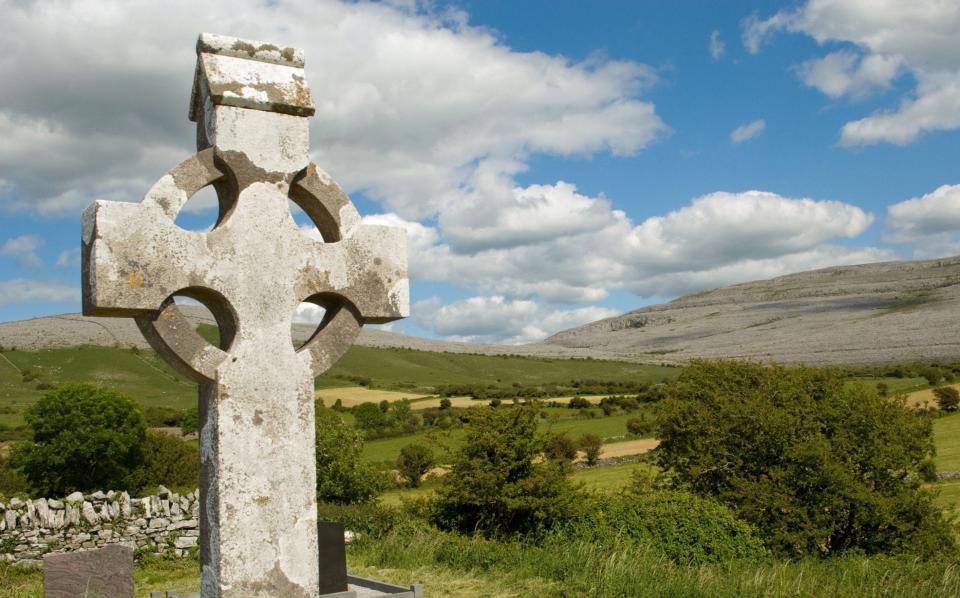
point(458, 565)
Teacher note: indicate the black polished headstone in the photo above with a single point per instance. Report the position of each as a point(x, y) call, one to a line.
point(104, 573)
point(333, 557)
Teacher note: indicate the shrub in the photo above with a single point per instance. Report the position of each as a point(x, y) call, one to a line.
point(684, 527)
point(167, 460)
point(414, 461)
point(948, 398)
point(495, 485)
point(190, 422)
point(84, 438)
point(163, 417)
point(639, 426)
point(368, 519)
point(342, 476)
point(12, 482)
point(817, 466)
point(591, 444)
point(445, 403)
point(369, 416)
point(579, 403)
point(559, 446)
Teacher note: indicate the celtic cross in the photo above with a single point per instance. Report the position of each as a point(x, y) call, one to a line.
point(251, 103)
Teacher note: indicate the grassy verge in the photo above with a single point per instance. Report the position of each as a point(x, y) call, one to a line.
point(585, 569)
point(182, 575)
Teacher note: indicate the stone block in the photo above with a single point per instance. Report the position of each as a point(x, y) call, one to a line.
point(106, 573)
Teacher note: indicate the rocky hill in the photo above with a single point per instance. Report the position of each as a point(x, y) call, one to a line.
point(890, 312)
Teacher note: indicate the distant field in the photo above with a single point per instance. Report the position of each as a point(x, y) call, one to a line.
point(141, 375)
point(423, 371)
point(151, 382)
point(946, 437)
point(351, 396)
point(925, 399)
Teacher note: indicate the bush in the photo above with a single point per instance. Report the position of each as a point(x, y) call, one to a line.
point(817, 466)
point(948, 398)
point(445, 403)
point(579, 403)
point(167, 460)
point(84, 438)
point(682, 526)
point(495, 485)
point(163, 417)
point(414, 461)
point(369, 416)
point(12, 482)
point(639, 426)
point(342, 476)
point(190, 422)
point(559, 446)
point(370, 518)
point(591, 444)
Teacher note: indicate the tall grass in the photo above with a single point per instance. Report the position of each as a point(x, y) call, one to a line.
point(562, 567)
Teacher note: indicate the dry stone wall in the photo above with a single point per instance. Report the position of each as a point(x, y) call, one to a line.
point(165, 522)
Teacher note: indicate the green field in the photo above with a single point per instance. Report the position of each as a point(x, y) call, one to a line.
point(946, 434)
point(150, 382)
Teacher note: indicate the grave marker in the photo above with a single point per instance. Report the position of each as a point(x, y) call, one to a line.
point(251, 103)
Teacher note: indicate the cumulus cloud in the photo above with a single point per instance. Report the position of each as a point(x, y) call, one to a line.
point(930, 223)
point(717, 239)
point(717, 47)
point(487, 319)
point(889, 37)
point(748, 131)
point(37, 291)
point(847, 73)
point(23, 249)
point(411, 103)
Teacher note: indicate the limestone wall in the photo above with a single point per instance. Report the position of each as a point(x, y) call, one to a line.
point(164, 522)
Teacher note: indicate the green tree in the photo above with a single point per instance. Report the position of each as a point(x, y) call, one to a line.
point(84, 438)
point(342, 475)
point(559, 446)
point(815, 465)
point(591, 444)
point(496, 485)
point(639, 426)
point(167, 460)
point(948, 398)
point(369, 416)
point(414, 461)
point(189, 423)
point(445, 403)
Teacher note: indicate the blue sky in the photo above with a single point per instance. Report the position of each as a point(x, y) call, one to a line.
point(553, 162)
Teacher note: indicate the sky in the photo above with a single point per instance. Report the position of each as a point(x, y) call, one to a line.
point(553, 162)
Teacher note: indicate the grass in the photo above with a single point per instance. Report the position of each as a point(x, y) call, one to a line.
point(151, 382)
point(138, 374)
point(577, 568)
point(182, 575)
point(946, 437)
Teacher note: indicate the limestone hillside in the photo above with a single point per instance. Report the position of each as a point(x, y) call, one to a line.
point(890, 312)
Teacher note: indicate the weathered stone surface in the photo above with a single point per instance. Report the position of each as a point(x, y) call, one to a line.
point(258, 515)
point(106, 573)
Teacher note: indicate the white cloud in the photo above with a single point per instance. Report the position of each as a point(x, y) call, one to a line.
point(497, 319)
point(888, 37)
point(68, 257)
point(748, 131)
point(23, 249)
point(717, 47)
point(36, 291)
point(847, 73)
point(930, 223)
point(411, 103)
point(717, 239)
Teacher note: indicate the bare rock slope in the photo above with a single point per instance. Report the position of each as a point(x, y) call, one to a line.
point(868, 314)
point(891, 312)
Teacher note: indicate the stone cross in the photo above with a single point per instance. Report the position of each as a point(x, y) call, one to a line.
point(251, 103)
